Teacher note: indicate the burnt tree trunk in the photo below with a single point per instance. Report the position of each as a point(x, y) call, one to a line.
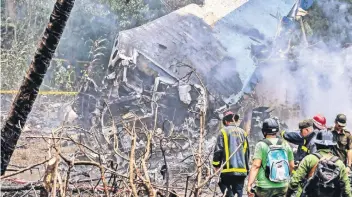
point(22, 105)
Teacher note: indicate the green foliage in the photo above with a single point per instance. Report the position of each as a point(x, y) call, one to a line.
point(327, 19)
point(132, 13)
point(13, 65)
point(171, 5)
point(63, 77)
point(31, 20)
point(129, 12)
point(15, 58)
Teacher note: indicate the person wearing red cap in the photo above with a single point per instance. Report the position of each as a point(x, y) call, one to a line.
point(232, 152)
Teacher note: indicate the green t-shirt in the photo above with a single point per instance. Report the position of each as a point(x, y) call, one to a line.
point(261, 152)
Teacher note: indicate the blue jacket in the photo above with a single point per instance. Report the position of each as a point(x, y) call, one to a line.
point(230, 139)
point(306, 145)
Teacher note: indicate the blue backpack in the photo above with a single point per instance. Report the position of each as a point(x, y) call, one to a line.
point(277, 168)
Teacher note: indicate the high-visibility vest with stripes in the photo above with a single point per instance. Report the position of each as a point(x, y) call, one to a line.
point(234, 137)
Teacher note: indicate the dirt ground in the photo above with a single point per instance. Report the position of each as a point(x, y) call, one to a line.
point(31, 151)
point(47, 114)
point(34, 150)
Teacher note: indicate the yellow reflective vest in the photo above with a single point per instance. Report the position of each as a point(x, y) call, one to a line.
point(231, 151)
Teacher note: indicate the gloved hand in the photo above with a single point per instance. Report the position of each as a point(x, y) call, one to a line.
point(289, 192)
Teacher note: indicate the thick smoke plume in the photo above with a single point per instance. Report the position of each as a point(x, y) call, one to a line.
point(319, 80)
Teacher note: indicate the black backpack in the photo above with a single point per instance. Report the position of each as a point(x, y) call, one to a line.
point(324, 178)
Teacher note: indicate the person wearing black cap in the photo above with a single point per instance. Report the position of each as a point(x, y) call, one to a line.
point(327, 175)
point(344, 141)
point(232, 152)
point(304, 139)
point(319, 123)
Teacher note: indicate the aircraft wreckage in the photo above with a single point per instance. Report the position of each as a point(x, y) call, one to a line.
point(191, 58)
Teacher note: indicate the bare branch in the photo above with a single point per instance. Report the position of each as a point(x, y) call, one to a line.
point(23, 170)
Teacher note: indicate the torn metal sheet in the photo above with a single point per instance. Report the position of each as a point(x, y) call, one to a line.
point(196, 58)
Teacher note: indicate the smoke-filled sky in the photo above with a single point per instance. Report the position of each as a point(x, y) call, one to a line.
point(322, 80)
point(321, 84)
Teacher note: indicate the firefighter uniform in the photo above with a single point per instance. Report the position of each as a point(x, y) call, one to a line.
point(305, 144)
point(232, 149)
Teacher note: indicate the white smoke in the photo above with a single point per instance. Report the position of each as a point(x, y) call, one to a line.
point(321, 82)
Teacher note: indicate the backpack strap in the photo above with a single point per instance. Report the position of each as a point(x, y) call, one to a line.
point(334, 159)
point(348, 139)
point(279, 142)
point(311, 172)
point(318, 155)
point(267, 142)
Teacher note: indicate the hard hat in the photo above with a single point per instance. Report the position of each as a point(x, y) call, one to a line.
point(270, 126)
point(319, 121)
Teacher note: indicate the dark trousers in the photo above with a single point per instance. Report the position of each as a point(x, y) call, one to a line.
point(234, 185)
point(270, 192)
